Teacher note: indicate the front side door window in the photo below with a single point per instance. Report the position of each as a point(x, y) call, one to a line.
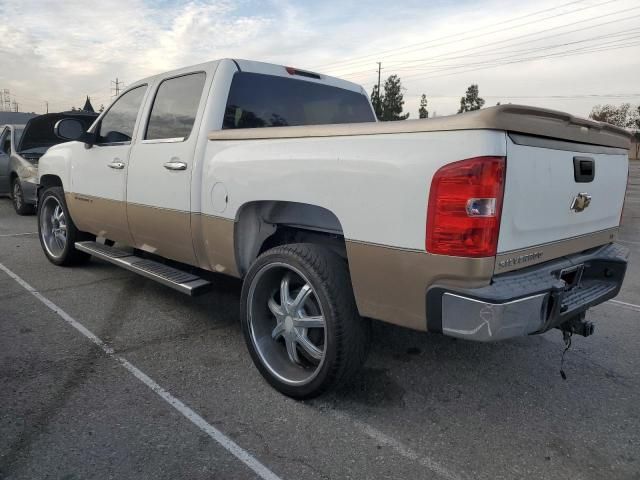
point(116, 127)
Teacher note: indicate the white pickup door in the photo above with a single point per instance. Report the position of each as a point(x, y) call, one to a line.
point(542, 184)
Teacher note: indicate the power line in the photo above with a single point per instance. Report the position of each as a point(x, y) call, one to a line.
point(429, 43)
point(437, 68)
point(556, 55)
point(473, 50)
point(352, 59)
point(470, 49)
point(590, 95)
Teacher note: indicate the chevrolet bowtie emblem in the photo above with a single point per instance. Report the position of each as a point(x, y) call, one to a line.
point(580, 202)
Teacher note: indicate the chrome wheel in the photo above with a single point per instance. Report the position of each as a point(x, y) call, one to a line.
point(53, 227)
point(17, 195)
point(286, 323)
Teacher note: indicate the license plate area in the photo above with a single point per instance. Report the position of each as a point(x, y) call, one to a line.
point(572, 276)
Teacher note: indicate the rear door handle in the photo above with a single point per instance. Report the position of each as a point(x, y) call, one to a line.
point(175, 165)
point(116, 164)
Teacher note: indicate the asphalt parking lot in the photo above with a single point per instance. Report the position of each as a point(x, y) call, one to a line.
point(173, 385)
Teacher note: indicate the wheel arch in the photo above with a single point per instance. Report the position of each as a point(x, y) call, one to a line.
point(261, 225)
point(50, 180)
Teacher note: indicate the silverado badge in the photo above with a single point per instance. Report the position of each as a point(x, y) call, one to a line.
point(580, 202)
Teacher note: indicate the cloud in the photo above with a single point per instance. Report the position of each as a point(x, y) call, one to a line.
point(63, 51)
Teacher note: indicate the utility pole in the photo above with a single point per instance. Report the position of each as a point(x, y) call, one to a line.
point(47, 105)
point(378, 107)
point(117, 85)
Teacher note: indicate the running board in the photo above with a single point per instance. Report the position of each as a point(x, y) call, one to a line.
point(169, 276)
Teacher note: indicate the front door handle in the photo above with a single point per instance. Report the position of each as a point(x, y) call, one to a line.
point(116, 164)
point(175, 165)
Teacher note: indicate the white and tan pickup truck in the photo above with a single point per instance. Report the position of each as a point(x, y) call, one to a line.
point(482, 226)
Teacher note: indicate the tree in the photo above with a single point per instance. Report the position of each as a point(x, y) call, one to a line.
point(471, 100)
point(622, 116)
point(376, 101)
point(636, 128)
point(388, 107)
point(393, 100)
point(422, 111)
point(101, 109)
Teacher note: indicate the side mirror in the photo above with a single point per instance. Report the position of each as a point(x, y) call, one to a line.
point(72, 129)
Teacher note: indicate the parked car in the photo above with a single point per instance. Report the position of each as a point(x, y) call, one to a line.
point(482, 226)
point(21, 148)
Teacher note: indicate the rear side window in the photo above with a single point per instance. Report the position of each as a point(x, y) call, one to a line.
point(117, 124)
point(257, 100)
point(175, 107)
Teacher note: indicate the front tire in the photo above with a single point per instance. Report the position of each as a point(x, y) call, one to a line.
point(17, 198)
point(58, 234)
point(300, 320)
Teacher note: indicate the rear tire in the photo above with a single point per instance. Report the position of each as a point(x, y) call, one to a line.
point(17, 198)
point(57, 232)
point(300, 320)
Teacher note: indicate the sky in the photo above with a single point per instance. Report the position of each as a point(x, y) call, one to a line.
point(566, 55)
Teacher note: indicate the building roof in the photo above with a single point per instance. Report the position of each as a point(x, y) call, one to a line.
point(17, 118)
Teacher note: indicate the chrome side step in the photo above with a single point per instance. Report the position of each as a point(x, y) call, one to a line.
point(169, 276)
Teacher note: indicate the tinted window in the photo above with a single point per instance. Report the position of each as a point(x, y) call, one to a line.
point(5, 142)
point(257, 100)
point(175, 107)
point(117, 124)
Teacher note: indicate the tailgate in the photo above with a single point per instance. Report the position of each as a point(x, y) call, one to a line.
point(545, 179)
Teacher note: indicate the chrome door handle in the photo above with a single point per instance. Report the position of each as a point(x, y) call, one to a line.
point(116, 165)
point(175, 166)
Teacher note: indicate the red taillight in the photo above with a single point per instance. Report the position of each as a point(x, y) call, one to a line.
point(465, 202)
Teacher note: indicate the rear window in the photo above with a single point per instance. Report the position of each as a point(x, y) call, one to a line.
point(257, 100)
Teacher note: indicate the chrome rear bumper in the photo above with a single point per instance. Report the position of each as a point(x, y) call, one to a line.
point(528, 301)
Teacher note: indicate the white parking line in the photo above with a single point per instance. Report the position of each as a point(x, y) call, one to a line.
point(232, 447)
point(630, 306)
point(401, 449)
point(18, 234)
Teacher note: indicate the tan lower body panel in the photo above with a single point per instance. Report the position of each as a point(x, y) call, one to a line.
point(100, 216)
point(390, 284)
point(162, 231)
point(516, 259)
point(214, 243)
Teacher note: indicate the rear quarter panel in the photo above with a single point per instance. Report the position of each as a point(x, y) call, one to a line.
point(376, 185)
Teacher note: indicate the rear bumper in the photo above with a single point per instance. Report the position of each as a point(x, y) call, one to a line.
point(531, 300)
